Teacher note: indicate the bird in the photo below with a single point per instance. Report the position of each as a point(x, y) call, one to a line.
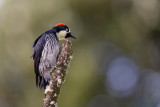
point(45, 52)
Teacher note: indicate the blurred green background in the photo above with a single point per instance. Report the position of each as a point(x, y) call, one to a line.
point(116, 56)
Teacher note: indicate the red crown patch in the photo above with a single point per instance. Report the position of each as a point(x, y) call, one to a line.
point(60, 24)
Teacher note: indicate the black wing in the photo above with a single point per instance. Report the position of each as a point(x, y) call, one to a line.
point(38, 46)
point(35, 42)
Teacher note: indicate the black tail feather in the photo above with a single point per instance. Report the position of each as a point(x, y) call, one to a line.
point(37, 80)
point(43, 83)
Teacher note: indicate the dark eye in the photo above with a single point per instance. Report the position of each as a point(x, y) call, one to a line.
point(67, 30)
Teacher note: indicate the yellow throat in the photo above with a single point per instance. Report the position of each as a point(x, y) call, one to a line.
point(61, 35)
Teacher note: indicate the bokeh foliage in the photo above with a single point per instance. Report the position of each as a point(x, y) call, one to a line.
point(106, 30)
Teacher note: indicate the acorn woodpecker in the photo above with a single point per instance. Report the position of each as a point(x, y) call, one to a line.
point(45, 52)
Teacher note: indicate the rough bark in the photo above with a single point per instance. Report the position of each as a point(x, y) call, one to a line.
point(58, 74)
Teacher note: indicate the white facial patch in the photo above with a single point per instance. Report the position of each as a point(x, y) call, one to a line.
point(62, 34)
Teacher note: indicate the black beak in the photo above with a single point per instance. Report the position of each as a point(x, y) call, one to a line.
point(70, 35)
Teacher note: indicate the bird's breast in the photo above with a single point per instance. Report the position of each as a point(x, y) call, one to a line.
point(49, 54)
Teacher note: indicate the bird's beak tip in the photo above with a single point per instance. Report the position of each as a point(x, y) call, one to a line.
point(70, 35)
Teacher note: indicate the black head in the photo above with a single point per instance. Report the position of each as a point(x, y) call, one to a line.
point(63, 31)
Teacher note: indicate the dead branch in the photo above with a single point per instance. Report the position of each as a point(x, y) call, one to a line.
point(58, 74)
